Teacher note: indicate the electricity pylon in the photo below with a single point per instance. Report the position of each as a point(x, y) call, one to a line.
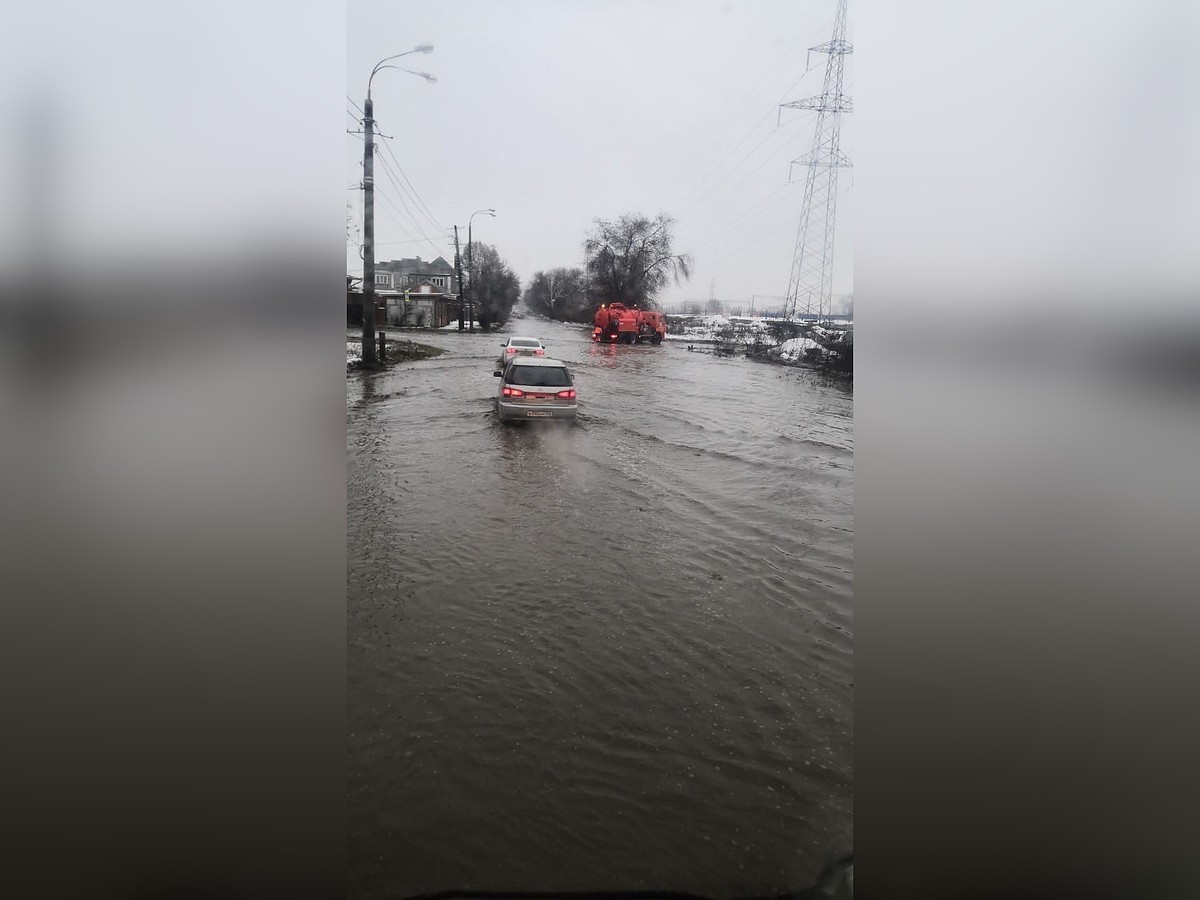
point(810, 287)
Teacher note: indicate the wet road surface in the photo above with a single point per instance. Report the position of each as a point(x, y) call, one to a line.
point(615, 655)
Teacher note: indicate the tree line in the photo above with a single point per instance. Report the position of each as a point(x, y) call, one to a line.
point(628, 260)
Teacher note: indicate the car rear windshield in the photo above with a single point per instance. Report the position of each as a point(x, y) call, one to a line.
point(539, 376)
point(520, 343)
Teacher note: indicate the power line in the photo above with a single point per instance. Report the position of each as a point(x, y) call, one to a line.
point(413, 241)
point(757, 169)
point(400, 195)
point(393, 211)
point(758, 236)
point(420, 202)
point(396, 214)
point(400, 191)
point(783, 61)
point(696, 203)
point(738, 249)
point(403, 227)
point(704, 193)
point(773, 108)
point(387, 146)
point(771, 199)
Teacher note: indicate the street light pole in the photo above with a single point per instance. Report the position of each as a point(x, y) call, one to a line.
point(461, 287)
point(368, 323)
point(368, 309)
point(470, 258)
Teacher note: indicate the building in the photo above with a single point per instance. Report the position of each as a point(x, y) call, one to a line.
point(418, 293)
point(420, 310)
point(411, 274)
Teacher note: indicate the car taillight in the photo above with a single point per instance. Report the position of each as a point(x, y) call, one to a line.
point(510, 349)
point(567, 395)
point(512, 392)
point(540, 352)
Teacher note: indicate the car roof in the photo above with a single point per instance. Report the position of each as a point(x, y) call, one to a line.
point(538, 361)
point(524, 337)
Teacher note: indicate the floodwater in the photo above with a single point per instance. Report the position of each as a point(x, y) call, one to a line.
point(615, 655)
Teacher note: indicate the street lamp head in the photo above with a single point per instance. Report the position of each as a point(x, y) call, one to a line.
point(420, 48)
point(430, 78)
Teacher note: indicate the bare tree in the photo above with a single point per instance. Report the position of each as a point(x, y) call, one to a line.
point(559, 294)
point(493, 285)
point(632, 259)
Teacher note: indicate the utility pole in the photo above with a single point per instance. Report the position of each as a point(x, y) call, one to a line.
point(368, 323)
point(368, 332)
point(458, 269)
point(471, 279)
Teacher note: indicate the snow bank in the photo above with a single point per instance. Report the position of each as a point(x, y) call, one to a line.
point(796, 348)
point(702, 328)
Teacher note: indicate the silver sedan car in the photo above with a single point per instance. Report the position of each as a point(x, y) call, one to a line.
point(519, 346)
point(534, 387)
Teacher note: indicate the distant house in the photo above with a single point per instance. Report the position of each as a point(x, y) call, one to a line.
point(418, 293)
point(411, 274)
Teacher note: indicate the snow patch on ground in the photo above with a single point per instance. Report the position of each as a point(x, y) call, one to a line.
point(709, 328)
point(795, 349)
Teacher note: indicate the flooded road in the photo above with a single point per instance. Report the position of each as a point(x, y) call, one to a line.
point(610, 656)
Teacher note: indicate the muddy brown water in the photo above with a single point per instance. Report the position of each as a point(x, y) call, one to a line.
point(615, 655)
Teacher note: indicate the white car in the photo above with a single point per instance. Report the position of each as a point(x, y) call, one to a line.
point(536, 388)
point(520, 346)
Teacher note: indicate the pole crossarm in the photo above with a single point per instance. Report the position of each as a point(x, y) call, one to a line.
point(823, 103)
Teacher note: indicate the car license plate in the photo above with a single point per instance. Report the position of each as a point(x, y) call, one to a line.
point(537, 413)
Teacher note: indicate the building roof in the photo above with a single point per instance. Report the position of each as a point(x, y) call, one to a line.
point(416, 265)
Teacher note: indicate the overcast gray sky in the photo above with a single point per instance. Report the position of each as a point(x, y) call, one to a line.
point(555, 113)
